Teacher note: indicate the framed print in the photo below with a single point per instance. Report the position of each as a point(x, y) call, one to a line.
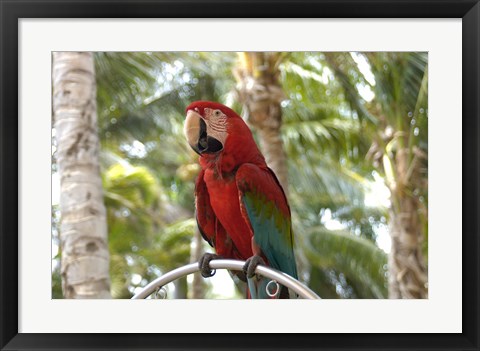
point(339, 53)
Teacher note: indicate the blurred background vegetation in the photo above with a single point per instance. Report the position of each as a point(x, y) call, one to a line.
point(354, 131)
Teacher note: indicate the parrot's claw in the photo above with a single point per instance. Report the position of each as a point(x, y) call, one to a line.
point(251, 265)
point(204, 265)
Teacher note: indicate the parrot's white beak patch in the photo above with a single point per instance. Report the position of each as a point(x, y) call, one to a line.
point(195, 130)
point(191, 128)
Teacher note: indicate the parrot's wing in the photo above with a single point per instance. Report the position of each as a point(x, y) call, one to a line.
point(208, 224)
point(265, 208)
point(203, 210)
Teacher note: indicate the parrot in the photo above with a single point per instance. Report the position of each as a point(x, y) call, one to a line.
point(241, 208)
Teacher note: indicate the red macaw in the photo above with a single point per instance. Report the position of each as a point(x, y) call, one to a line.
point(241, 208)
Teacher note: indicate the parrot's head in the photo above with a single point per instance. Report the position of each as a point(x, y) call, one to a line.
point(220, 136)
point(207, 126)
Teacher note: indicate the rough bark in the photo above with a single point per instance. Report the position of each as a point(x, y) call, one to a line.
point(260, 91)
point(83, 229)
point(407, 270)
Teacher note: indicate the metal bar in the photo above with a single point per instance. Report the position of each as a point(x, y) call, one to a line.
point(236, 265)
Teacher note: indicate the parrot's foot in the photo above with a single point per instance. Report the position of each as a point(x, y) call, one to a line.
point(251, 264)
point(204, 265)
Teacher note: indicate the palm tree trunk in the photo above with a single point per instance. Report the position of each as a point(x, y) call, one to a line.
point(407, 270)
point(260, 91)
point(83, 230)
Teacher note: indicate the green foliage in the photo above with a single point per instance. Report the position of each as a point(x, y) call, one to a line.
point(140, 243)
point(361, 220)
point(134, 186)
point(56, 253)
point(171, 248)
point(317, 115)
point(56, 285)
point(355, 260)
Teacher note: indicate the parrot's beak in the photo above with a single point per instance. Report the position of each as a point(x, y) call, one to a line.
point(195, 130)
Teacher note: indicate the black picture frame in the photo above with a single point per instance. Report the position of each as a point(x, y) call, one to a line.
point(12, 11)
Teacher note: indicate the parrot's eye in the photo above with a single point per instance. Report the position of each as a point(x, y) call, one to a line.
point(217, 113)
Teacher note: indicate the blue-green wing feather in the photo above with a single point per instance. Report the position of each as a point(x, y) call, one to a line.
point(265, 206)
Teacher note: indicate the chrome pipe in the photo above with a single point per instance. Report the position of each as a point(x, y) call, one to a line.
point(235, 265)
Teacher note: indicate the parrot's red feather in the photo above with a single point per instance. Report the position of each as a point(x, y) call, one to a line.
point(210, 227)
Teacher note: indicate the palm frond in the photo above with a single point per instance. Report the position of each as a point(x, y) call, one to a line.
point(340, 63)
point(359, 260)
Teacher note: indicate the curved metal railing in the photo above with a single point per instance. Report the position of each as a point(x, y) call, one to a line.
point(236, 265)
